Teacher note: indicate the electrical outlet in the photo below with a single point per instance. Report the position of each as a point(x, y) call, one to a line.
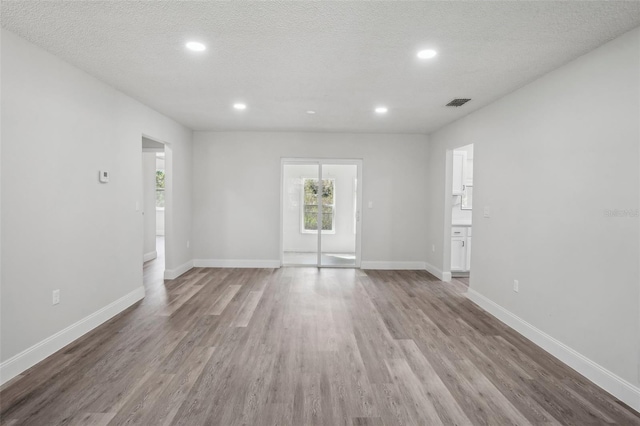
point(56, 297)
point(516, 286)
point(188, 244)
point(487, 211)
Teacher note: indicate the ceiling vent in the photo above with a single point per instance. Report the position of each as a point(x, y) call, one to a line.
point(458, 102)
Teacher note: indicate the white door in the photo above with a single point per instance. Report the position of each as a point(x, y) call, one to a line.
point(320, 212)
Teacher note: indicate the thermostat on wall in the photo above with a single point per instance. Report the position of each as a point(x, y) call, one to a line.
point(104, 176)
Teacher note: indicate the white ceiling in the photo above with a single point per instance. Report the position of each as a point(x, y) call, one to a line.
point(338, 58)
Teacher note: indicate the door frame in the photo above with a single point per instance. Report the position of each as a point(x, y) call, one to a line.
point(168, 197)
point(447, 273)
point(320, 162)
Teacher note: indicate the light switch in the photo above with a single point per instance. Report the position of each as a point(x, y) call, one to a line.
point(370, 204)
point(103, 176)
point(487, 211)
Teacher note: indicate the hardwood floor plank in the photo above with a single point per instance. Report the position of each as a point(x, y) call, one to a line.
point(247, 308)
point(166, 405)
point(418, 405)
point(445, 404)
point(304, 346)
point(224, 300)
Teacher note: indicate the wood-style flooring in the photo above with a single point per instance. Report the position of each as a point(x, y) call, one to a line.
point(302, 346)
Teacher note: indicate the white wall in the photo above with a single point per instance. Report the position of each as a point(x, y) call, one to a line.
point(235, 173)
point(344, 238)
point(62, 229)
point(149, 204)
point(550, 159)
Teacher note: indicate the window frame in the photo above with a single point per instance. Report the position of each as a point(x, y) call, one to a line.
point(303, 205)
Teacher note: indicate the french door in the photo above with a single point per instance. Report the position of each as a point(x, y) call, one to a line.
point(320, 212)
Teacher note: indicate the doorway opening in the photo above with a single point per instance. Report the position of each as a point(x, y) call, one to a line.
point(154, 202)
point(460, 211)
point(320, 213)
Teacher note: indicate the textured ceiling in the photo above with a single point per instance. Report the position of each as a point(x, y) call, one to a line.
point(338, 58)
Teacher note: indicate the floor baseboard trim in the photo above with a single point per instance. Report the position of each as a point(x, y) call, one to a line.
point(392, 265)
point(610, 382)
point(149, 256)
point(172, 274)
point(236, 263)
point(442, 276)
point(36, 353)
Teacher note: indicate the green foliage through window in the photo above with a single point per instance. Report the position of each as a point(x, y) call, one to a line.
point(311, 204)
point(160, 188)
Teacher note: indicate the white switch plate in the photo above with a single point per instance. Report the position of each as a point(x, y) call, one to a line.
point(188, 243)
point(487, 211)
point(103, 176)
point(433, 247)
point(516, 286)
point(370, 204)
point(56, 297)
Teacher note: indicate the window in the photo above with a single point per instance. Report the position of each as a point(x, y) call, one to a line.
point(310, 206)
point(159, 188)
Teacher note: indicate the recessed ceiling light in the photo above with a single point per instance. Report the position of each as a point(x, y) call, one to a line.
point(240, 106)
point(196, 46)
point(427, 54)
point(381, 110)
point(311, 111)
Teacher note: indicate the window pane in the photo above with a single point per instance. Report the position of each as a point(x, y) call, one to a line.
point(311, 204)
point(159, 197)
point(327, 191)
point(327, 218)
point(160, 179)
point(311, 191)
point(310, 218)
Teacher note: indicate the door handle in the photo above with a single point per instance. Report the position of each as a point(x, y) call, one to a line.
point(463, 244)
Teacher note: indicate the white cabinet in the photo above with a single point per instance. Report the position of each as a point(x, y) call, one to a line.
point(459, 163)
point(458, 260)
point(460, 248)
point(468, 172)
point(468, 253)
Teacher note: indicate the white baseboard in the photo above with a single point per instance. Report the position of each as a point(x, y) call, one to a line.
point(36, 353)
point(149, 256)
point(400, 265)
point(324, 251)
point(442, 276)
point(172, 274)
point(236, 263)
point(615, 385)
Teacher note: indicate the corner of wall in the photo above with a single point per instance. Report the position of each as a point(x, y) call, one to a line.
point(41, 350)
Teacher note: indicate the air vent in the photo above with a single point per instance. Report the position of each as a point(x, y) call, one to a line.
point(458, 102)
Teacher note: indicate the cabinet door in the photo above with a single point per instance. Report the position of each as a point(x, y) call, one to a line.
point(458, 250)
point(459, 160)
point(468, 254)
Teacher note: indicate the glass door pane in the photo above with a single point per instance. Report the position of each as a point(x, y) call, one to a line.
point(300, 214)
point(339, 209)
